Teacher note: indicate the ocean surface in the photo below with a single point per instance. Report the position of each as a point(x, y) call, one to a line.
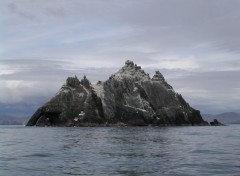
point(129, 151)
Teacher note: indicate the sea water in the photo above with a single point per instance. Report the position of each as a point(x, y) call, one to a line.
point(126, 151)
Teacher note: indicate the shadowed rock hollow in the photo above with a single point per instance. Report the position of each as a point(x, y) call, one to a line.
point(128, 97)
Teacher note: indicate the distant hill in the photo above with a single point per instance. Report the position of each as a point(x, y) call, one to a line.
point(9, 120)
point(226, 118)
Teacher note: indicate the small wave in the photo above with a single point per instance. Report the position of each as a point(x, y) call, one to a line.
point(39, 155)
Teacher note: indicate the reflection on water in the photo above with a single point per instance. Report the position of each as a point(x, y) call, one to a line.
point(120, 151)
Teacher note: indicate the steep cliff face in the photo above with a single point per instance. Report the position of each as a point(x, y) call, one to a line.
point(128, 97)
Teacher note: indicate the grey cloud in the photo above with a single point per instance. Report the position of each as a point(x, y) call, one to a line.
point(212, 92)
point(14, 9)
point(162, 25)
point(35, 10)
point(201, 15)
point(50, 70)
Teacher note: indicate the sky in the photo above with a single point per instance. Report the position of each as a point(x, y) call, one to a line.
point(194, 44)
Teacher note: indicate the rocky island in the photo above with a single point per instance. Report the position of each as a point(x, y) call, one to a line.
point(129, 97)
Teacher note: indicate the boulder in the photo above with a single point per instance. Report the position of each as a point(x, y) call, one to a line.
point(215, 122)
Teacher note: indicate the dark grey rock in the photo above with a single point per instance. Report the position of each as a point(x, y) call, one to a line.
point(128, 97)
point(215, 122)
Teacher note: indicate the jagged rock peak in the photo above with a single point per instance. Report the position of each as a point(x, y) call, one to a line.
point(129, 62)
point(158, 77)
point(130, 65)
point(72, 81)
point(85, 82)
point(132, 70)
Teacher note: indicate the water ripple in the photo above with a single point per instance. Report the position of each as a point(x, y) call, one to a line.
point(177, 151)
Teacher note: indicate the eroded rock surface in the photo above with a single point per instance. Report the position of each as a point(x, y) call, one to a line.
point(128, 97)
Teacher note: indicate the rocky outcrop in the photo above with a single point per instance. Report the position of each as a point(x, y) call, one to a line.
point(128, 97)
point(215, 122)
